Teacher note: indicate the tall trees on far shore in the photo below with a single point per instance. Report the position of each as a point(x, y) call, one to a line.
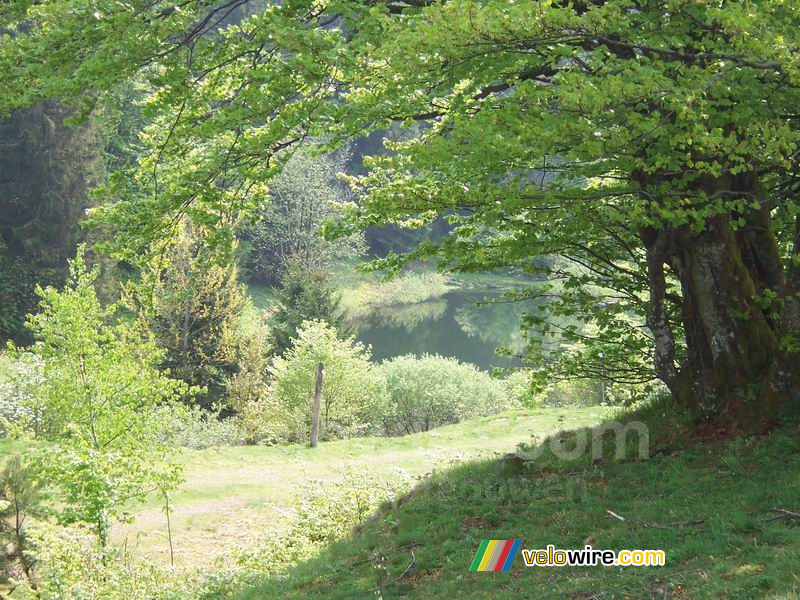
point(301, 199)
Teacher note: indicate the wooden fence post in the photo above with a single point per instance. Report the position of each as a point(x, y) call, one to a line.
point(316, 407)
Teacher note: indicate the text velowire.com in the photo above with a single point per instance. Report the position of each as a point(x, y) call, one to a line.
point(499, 555)
point(588, 557)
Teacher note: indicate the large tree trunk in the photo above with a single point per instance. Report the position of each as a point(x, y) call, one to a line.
point(737, 365)
point(731, 344)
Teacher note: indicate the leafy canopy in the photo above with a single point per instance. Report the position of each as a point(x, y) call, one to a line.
point(571, 129)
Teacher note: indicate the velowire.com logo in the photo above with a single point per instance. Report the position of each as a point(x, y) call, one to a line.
point(495, 555)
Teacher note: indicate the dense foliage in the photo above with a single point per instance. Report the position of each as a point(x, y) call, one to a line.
point(649, 144)
point(95, 407)
point(430, 391)
point(636, 160)
point(301, 199)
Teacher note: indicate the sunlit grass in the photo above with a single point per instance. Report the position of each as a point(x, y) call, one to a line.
point(231, 492)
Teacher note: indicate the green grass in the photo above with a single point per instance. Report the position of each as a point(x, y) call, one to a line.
point(705, 504)
point(231, 492)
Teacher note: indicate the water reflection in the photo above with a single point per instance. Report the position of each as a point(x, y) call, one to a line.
point(455, 325)
point(408, 316)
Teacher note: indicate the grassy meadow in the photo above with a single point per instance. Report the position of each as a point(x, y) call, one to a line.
point(232, 493)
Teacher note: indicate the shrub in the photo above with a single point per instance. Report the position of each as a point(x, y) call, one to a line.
point(253, 349)
point(20, 502)
point(418, 394)
point(520, 388)
point(576, 392)
point(181, 426)
point(72, 565)
point(326, 512)
point(284, 414)
point(18, 407)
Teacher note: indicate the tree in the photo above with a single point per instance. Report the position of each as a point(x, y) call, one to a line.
point(20, 501)
point(301, 199)
point(97, 399)
point(48, 170)
point(347, 392)
point(193, 306)
point(304, 295)
point(649, 144)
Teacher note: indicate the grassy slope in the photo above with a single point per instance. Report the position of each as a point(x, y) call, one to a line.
point(231, 493)
point(706, 506)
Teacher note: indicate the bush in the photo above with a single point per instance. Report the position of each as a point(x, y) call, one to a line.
point(520, 388)
point(182, 426)
point(284, 414)
point(17, 400)
point(418, 394)
point(326, 512)
point(576, 392)
point(20, 502)
point(72, 565)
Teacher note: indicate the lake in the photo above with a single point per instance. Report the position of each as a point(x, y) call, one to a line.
point(454, 325)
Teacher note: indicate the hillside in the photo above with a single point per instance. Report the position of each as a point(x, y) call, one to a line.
point(710, 506)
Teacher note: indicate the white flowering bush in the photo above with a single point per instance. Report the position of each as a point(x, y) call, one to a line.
point(19, 404)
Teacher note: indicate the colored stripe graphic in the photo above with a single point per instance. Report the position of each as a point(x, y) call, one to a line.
point(501, 561)
point(512, 554)
point(495, 555)
point(487, 556)
point(479, 556)
point(498, 550)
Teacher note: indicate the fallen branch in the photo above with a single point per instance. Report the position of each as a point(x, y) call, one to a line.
point(616, 516)
point(783, 514)
point(691, 523)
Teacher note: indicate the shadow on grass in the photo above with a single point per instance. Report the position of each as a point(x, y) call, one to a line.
point(709, 506)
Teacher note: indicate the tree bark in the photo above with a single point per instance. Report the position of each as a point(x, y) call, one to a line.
point(738, 306)
point(732, 343)
point(316, 406)
point(657, 316)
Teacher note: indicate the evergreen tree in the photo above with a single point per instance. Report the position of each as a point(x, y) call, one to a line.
point(304, 295)
point(193, 306)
